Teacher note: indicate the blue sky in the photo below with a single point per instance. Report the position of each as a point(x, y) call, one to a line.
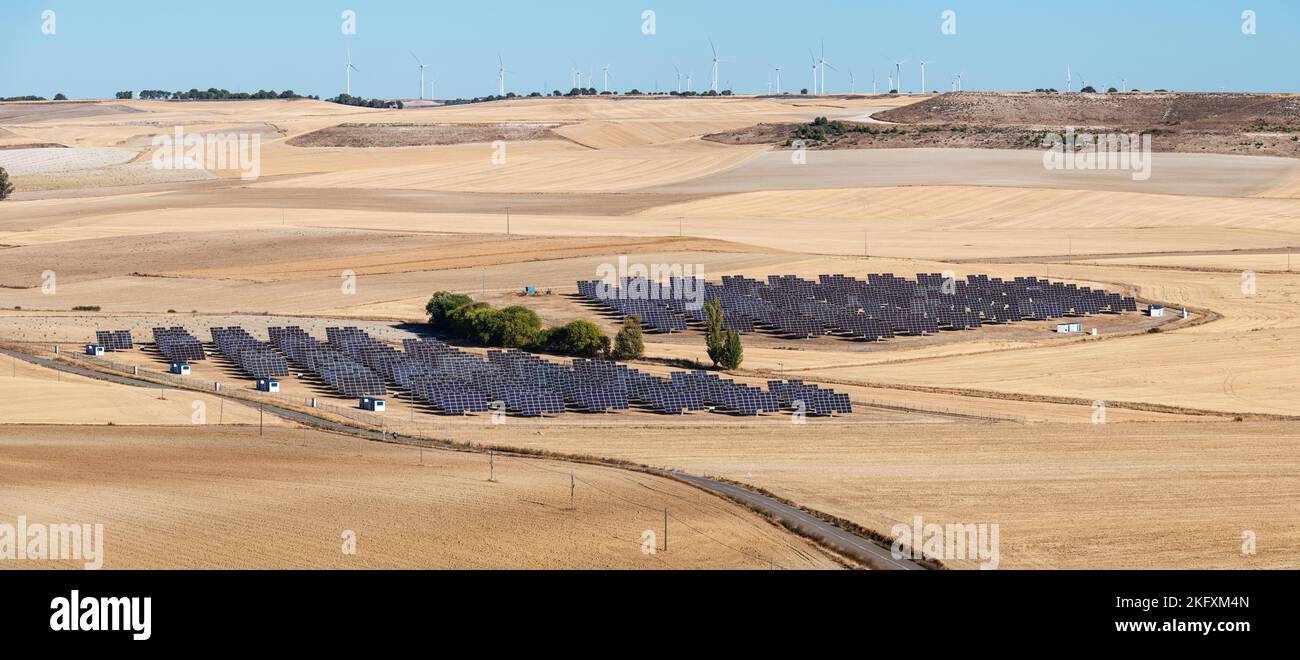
point(101, 46)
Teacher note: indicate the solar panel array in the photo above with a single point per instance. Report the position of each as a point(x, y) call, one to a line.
point(811, 399)
point(457, 382)
point(178, 344)
point(253, 356)
point(114, 340)
point(341, 372)
point(879, 308)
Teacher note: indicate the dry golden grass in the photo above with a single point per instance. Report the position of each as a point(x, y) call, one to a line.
point(180, 497)
point(1131, 495)
point(35, 395)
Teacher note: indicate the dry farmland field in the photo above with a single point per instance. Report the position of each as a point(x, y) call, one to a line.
point(1154, 443)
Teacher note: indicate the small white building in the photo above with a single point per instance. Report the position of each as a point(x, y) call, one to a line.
point(95, 350)
point(268, 385)
point(1069, 328)
point(1155, 311)
point(180, 368)
point(372, 404)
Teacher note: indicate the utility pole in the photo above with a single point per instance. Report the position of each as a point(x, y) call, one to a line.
point(572, 505)
point(492, 467)
point(260, 429)
point(665, 529)
point(507, 221)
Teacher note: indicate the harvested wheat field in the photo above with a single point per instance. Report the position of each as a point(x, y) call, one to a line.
point(1186, 491)
point(181, 497)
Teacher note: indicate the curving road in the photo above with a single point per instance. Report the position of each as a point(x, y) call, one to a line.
point(841, 540)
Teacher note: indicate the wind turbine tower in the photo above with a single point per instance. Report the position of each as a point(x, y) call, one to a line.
point(417, 61)
point(715, 66)
point(347, 71)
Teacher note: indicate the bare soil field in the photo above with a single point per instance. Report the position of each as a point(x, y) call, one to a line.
point(1132, 111)
point(1247, 124)
point(186, 497)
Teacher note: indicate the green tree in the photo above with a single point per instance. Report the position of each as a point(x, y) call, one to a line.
point(734, 353)
point(441, 305)
point(517, 327)
point(629, 344)
point(60, 97)
point(722, 343)
point(581, 338)
point(473, 321)
point(714, 338)
point(6, 188)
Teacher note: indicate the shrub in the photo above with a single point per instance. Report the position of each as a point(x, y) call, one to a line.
point(457, 315)
point(472, 321)
point(441, 305)
point(516, 327)
point(86, 308)
point(6, 188)
point(581, 338)
point(629, 344)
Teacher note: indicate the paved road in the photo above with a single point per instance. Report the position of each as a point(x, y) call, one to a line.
point(844, 541)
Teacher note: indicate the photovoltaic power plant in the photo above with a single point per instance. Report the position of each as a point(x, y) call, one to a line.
point(178, 344)
point(879, 308)
point(114, 340)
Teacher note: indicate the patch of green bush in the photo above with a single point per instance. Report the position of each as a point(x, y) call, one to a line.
point(458, 315)
point(629, 343)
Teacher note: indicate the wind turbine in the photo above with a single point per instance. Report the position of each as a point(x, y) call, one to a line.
point(417, 60)
point(605, 70)
point(873, 80)
point(853, 84)
point(716, 61)
point(501, 76)
point(1069, 80)
point(777, 68)
point(898, 75)
point(821, 62)
point(690, 77)
point(347, 70)
point(923, 63)
point(814, 70)
point(679, 78)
